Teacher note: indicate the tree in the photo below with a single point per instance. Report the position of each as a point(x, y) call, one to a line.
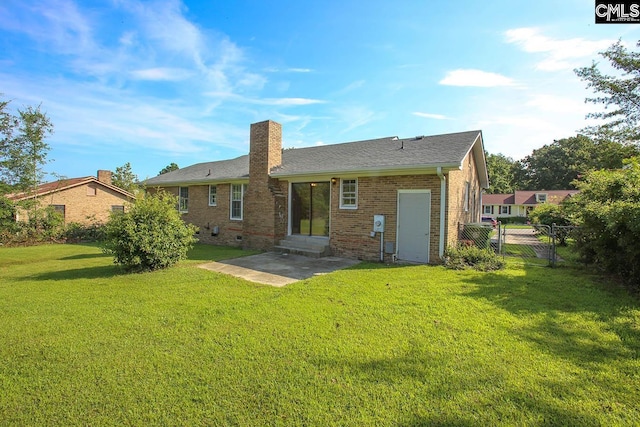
point(169, 168)
point(501, 174)
point(556, 166)
point(150, 236)
point(23, 150)
point(124, 178)
point(619, 94)
point(608, 212)
point(551, 214)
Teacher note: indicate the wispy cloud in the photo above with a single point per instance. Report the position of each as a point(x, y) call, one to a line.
point(288, 70)
point(430, 116)
point(287, 101)
point(558, 53)
point(161, 74)
point(355, 116)
point(478, 78)
point(558, 104)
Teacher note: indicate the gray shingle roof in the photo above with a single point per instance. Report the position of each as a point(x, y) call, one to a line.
point(223, 170)
point(373, 155)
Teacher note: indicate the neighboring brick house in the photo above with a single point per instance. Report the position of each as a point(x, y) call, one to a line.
point(324, 198)
point(520, 203)
point(80, 200)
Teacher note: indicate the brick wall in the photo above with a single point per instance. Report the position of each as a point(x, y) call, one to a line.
point(456, 188)
point(206, 217)
point(265, 207)
point(86, 203)
point(350, 229)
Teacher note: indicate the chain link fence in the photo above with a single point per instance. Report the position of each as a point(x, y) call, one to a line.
point(535, 244)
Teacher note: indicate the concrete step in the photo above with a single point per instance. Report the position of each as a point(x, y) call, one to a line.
point(314, 247)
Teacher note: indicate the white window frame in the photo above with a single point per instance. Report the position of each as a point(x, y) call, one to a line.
point(467, 190)
point(213, 201)
point(504, 210)
point(487, 210)
point(183, 202)
point(541, 197)
point(243, 190)
point(352, 195)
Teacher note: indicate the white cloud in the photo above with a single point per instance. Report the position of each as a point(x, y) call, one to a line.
point(478, 78)
point(558, 104)
point(288, 70)
point(288, 101)
point(355, 116)
point(559, 53)
point(430, 116)
point(161, 74)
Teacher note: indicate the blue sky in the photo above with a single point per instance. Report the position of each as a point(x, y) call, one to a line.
point(155, 82)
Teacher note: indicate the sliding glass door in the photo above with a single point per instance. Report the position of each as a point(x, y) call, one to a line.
point(310, 208)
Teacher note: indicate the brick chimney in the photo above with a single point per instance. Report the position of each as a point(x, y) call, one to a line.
point(104, 176)
point(265, 213)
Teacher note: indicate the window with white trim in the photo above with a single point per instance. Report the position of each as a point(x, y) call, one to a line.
point(505, 210)
point(183, 199)
point(237, 200)
point(349, 194)
point(488, 209)
point(541, 197)
point(467, 187)
point(213, 195)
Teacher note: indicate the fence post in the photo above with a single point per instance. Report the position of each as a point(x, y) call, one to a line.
point(552, 249)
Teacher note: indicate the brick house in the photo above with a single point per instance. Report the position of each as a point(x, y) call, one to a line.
point(520, 203)
point(80, 200)
point(324, 199)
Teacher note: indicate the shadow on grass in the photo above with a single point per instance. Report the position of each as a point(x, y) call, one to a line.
point(445, 386)
point(566, 312)
point(99, 272)
point(85, 256)
point(202, 252)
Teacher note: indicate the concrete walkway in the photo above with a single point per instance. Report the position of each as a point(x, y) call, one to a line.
point(275, 269)
point(527, 237)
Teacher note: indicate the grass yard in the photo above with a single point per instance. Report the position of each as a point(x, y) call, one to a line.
point(82, 344)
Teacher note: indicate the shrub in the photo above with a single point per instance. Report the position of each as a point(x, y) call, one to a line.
point(479, 234)
point(512, 219)
point(150, 236)
point(465, 256)
point(608, 212)
point(92, 232)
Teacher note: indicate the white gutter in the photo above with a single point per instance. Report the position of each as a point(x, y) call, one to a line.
point(443, 200)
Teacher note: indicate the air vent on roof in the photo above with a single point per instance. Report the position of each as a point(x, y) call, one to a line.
point(419, 137)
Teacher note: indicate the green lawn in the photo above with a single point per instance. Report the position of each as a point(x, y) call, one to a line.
point(82, 344)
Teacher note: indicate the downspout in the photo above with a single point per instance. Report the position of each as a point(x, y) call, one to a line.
point(443, 210)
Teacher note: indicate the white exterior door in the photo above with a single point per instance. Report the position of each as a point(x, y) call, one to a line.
point(413, 234)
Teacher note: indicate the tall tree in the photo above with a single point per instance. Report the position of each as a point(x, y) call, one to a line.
point(501, 173)
point(620, 94)
point(124, 178)
point(556, 166)
point(169, 168)
point(23, 149)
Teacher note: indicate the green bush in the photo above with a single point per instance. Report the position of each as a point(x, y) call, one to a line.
point(150, 236)
point(464, 256)
point(92, 232)
point(44, 225)
point(512, 219)
point(479, 234)
point(607, 209)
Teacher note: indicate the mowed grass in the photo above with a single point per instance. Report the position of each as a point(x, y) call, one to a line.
point(83, 344)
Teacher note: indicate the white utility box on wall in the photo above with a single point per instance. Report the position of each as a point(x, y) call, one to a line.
point(378, 223)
